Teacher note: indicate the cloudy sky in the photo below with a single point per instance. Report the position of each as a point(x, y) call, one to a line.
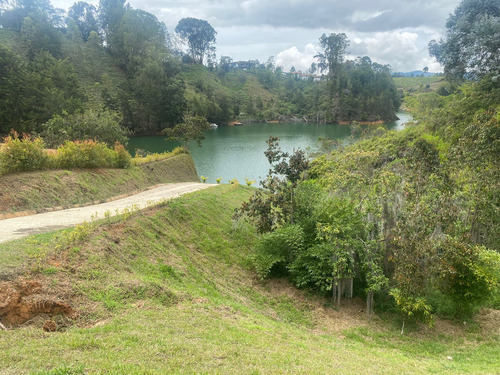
point(394, 32)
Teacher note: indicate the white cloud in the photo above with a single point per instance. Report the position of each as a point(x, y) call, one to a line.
point(403, 50)
point(300, 60)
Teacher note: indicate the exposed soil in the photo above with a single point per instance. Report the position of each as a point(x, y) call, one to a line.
point(327, 319)
point(23, 300)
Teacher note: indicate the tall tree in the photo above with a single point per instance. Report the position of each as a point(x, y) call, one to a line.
point(471, 48)
point(85, 16)
point(200, 37)
point(110, 15)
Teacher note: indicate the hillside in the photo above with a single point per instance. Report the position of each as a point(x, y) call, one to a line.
point(41, 190)
point(127, 76)
point(172, 290)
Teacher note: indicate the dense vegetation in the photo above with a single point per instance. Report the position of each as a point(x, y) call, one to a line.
point(115, 67)
point(410, 217)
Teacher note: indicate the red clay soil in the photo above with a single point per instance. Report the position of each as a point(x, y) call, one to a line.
point(22, 300)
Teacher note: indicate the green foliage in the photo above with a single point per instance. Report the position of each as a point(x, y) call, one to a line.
point(412, 307)
point(91, 154)
point(470, 49)
point(190, 130)
point(273, 206)
point(200, 37)
point(23, 154)
point(123, 158)
point(276, 250)
point(100, 125)
point(467, 274)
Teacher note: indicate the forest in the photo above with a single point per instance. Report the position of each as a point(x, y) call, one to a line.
point(120, 69)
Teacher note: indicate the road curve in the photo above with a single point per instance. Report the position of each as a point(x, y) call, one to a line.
point(12, 229)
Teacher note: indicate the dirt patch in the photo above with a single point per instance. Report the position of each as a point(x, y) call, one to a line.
point(489, 320)
point(329, 319)
point(23, 300)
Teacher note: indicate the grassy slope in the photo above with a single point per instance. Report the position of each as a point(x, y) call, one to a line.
point(44, 189)
point(415, 82)
point(171, 290)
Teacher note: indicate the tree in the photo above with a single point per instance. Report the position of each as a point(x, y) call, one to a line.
point(335, 48)
point(273, 206)
point(190, 130)
point(472, 44)
point(85, 16)
point(110, 15)
point(200, 37)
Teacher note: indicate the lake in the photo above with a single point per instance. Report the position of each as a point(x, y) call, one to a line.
point(238, 151)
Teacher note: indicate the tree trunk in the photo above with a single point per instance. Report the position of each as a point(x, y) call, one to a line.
point(369, 303)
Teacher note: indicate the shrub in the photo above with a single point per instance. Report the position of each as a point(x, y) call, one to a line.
point(87, 154)
point(123, 158)
point(101, 125)
point(23, 154)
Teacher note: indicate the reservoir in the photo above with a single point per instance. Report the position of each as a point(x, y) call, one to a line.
point(238, 151)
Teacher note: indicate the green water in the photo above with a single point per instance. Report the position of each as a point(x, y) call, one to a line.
point(238, 151)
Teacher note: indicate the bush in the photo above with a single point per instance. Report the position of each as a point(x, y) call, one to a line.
point(23, 154)
point(87, 154)
point(100, 125)
point(123, 158)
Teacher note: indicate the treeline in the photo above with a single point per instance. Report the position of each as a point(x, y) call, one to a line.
point(360, 90)
point(116, 66)
point(408, 220)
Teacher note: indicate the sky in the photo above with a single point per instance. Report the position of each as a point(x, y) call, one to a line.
point(394, 32)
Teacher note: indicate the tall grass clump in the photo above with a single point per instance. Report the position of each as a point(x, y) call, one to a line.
point(142, 158)
point(21, 154)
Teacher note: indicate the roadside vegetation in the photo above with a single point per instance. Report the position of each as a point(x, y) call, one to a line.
point(41, 190)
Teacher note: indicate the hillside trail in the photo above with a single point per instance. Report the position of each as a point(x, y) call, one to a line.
point(15, 228)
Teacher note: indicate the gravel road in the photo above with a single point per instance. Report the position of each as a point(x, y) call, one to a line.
point(11, 229)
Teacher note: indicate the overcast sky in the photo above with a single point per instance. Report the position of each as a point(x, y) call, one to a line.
point(394, 32)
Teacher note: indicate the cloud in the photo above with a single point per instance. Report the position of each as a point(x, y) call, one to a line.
point(300, 60)
point(257, 29)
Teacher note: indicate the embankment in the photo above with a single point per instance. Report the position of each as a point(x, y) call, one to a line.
point(43, 190)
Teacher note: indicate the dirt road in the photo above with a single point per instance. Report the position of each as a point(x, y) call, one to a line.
point(11, 229)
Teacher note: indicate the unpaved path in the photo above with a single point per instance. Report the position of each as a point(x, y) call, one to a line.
point(11, 229)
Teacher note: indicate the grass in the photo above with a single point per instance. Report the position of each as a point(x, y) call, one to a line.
point(416, 82)
point(44, 189)
point(172, 290)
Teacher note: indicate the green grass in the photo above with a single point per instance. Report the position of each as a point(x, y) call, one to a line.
point(45, 189)
point(172, 290)
point(416, 82)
